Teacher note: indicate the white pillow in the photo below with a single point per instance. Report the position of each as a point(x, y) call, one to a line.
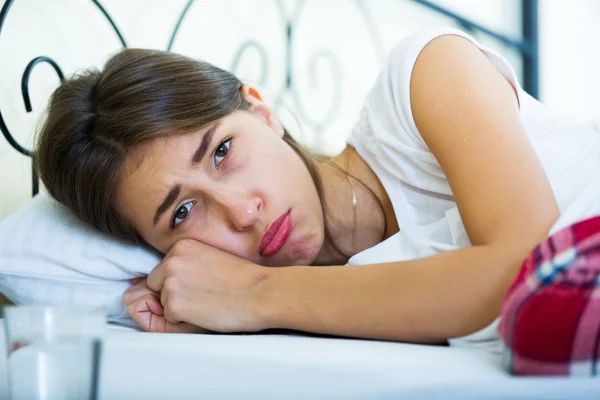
point(47, 256)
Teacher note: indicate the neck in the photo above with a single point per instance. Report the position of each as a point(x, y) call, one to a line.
point(373, 223)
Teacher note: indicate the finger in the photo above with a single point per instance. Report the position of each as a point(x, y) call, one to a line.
point(168, 290)
point(170, 315)
point(133, 292)
point(145, 310)
point(185, 328)
point(185, 247)
point(164, 301)
point(156, 279)
point(148, 314)
point(136, 291)
point(135, 281)
point(164, 296)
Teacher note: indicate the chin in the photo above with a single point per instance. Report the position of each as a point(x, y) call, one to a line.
point(301, 250)
point(289, 256)
point(285, 261)
point(304, 252)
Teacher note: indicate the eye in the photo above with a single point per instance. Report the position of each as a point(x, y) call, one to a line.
point(221, 152)
point(181, 213)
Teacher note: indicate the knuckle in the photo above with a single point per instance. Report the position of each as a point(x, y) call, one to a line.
point(173, 311)
point(185, 246)
point(171, 266)
point(131, 309)
point(127, 297)
point(130, 295)
point(170, 285)
point(182, 246)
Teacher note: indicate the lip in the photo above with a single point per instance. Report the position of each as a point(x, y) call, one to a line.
point(276, 235)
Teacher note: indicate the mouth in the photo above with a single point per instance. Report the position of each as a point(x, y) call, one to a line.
point(276, 235)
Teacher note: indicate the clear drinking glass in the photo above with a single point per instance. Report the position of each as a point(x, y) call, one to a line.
point(53, 352)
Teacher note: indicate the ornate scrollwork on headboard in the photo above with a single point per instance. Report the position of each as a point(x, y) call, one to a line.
point(527, 46)
point(25, 84)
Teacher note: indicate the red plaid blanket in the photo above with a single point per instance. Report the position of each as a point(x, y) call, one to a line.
point(551, 315)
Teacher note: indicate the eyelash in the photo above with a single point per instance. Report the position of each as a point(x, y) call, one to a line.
point(173, 224)
point(227, 140)
point(214, 154)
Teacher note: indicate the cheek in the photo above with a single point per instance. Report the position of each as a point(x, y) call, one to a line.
point(285, 171)
point(212, 231)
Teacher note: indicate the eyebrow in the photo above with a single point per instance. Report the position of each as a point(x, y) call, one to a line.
point(196, 158)
point(167, 202)
point(203, 148)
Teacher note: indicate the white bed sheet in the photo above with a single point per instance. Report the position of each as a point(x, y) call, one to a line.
point(137, 365)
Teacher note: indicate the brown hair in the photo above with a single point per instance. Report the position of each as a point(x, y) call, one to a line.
point(96, 118)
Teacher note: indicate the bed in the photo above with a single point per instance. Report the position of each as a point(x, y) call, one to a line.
point(138, 365)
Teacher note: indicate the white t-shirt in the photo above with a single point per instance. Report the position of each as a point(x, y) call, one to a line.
point(387, 138)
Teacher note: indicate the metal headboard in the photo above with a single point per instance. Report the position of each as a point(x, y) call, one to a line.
point(527, 46)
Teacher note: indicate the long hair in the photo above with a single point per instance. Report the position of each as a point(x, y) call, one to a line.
point(96, 118)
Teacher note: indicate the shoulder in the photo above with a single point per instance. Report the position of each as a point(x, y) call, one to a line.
point(389, 100)
point(453, 79)
point(429, 56)
point(404, 54)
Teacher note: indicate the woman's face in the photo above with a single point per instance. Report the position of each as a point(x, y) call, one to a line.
point(234, 185)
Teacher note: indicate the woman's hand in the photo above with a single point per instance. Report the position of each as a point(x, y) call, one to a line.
point(145, 309)
point(207, 287)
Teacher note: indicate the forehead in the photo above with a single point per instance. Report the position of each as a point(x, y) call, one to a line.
point(148, 173)
point(153, 157)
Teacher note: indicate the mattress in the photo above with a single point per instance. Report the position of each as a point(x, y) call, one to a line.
point(139, 365)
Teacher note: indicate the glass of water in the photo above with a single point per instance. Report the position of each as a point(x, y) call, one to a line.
point(53, 352)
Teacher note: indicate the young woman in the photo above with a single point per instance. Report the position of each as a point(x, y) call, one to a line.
point(450, 177)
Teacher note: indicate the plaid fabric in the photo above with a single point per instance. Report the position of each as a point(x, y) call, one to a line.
point(551, 315)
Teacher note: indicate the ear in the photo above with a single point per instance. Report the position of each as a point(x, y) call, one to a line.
point(259, 108)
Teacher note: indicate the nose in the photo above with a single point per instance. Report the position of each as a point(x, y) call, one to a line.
point(243, 211)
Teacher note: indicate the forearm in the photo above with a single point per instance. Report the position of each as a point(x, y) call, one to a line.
point(424, 300)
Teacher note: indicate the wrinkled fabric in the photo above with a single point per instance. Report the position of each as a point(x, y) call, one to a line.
point(550, 321)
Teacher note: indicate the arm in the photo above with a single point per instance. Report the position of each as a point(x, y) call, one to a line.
point(426, 300)
point(468, 115)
